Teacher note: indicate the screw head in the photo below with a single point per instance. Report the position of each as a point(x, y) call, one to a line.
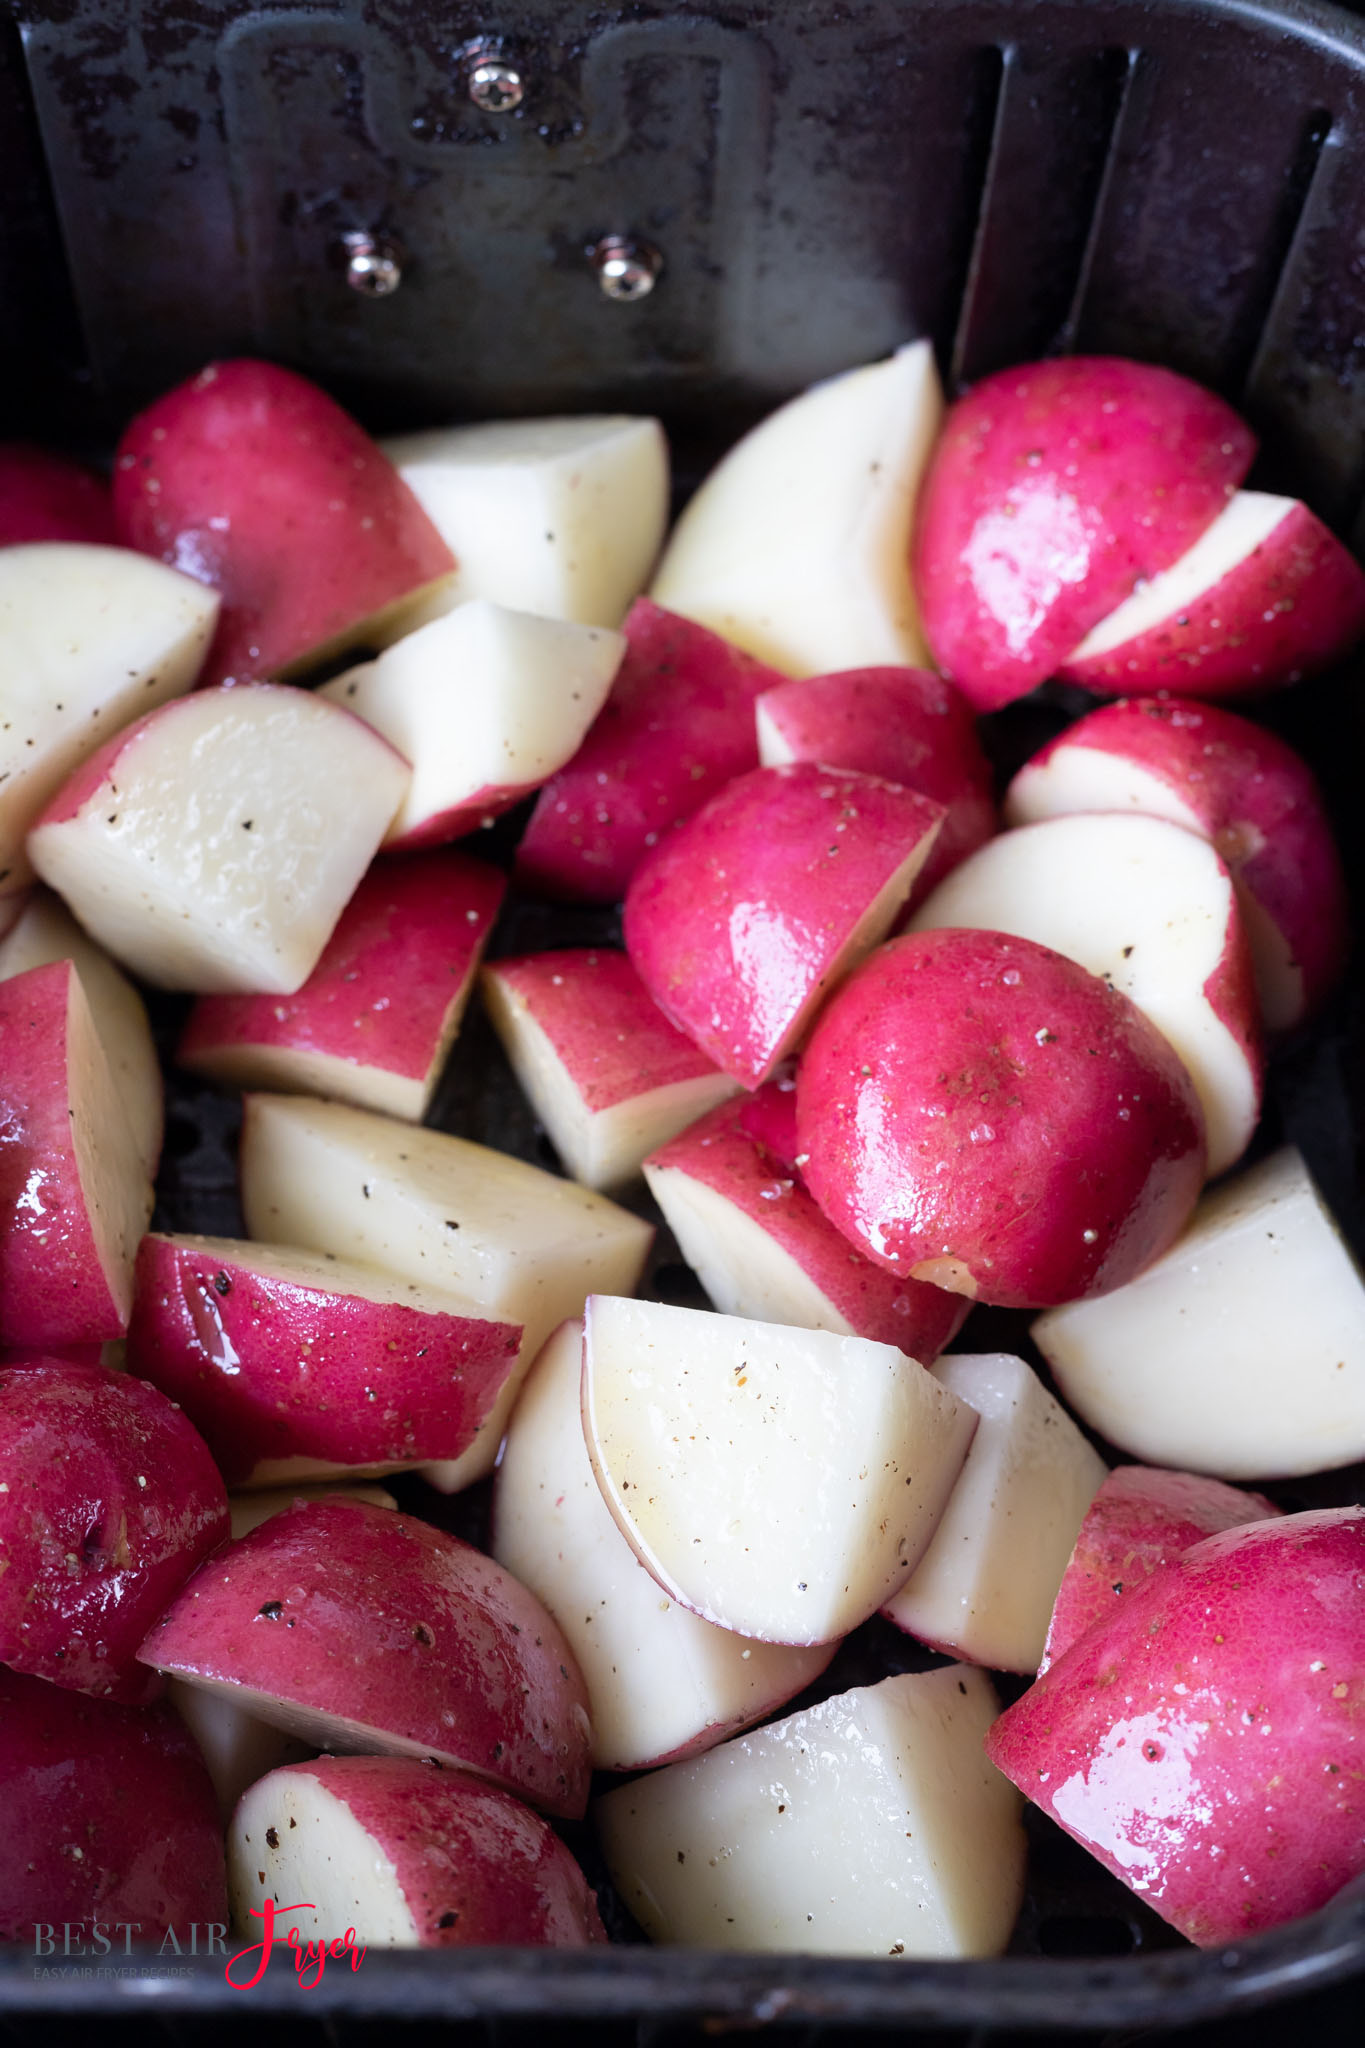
point(374, 265)
point(627, 270)
point(496, 87)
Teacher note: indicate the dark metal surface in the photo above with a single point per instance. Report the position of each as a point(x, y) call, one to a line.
point(1176, 179)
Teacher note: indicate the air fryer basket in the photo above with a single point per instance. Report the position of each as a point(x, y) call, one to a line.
point(1180, 180)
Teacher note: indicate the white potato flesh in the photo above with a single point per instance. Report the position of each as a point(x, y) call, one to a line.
point(1245, 524)
point(871, 1825)
point(515, 1243)
point(479, 701)
point(1090, 779)
point(1241, 1352)
point(1147, 906)
point(745, 1271)
point(249, 1510)
point(45, 931)
point(113, 1174)
point(564, 517)
point(795, 547)
point(237, 1747)
point(293, 1840)
point(602, 1148)
point(90, 638)
point(985, 1588)
point(779, 1482)
point(658, 1677)
point(226, 838)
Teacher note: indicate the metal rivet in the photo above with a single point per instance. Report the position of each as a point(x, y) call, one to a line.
point(626, 269)
point(374, 264)
point(494, 86)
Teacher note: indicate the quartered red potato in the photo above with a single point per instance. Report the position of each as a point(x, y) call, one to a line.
point(867, 1055)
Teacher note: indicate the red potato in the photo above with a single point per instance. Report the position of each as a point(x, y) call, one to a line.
point(662, 1682)
point(747, 1225)
point(486, 704)
point(743, 919)
point(375, 1020)
point(1140, 1520)
point(110, 1818)
point(677, 726)
point(607, 1074)
point(110, 1501)
point(214, 845)
point(1265, 596)
point(563, 517)
point(407, 1856)
point(74, 1192)
point(795, 546)
point(905, 724)
point(515, 1243)
point(254, 481)
point(1204, 1742)
point(90, 638)
point(45, 932)
point(782, 1483)
point(359, 1628)
point(1054, 489)
point(1151, 909)
point(1234, 784)
point(49, 497)
point(292, 1365)
point(983, 1114)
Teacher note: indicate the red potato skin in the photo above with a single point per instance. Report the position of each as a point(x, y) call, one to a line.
point(49, 497)
point(1254, 798)
point(484, 807)
point(735, 922)
point(111, 1501)
point(962, 1099)
point(254, 481)
point(613, 1039)
point(768, 1117)
point(402, 953)
point(372, 1616)
point(266, 1368)
point(907, 725)
point(720, 1153)
point(476, 1867)
point(1053, 489)
point(1205, 1742)
point(1141, 1519)
point(677, 726)
point(1293, 606)
point(110, 1815)
point(53, 1288)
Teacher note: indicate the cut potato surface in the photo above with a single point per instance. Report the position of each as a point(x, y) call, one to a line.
point(558, 516)
point(662, 1683)
point(605, 1071)
point(795, 546)
point(375, 1020)
point(984, 1589)
point(402, 1855)
point(871, 1825)
point(215, 844)
point(1241, 1352)
point(90, 637)
point(45, 932)
point(749, 1229)
point(76, 1196)
point(515, 1242)
point(486, 704)
point(1149, 908)
point(782, 1483)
